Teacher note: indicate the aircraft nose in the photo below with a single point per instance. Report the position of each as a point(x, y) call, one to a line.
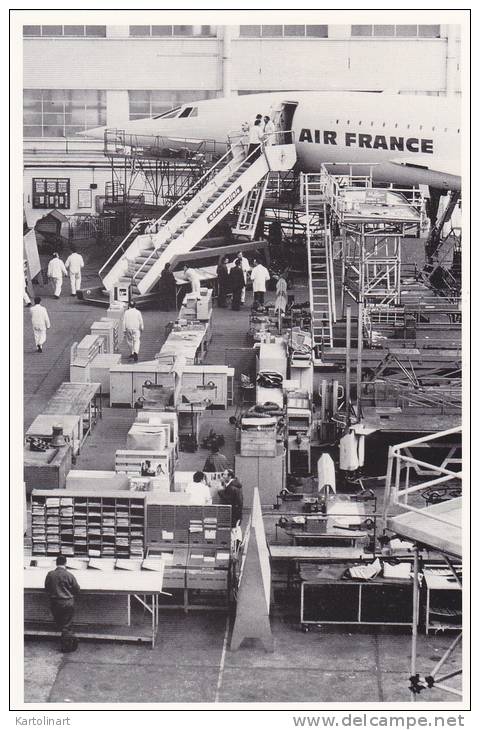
point(95, 133)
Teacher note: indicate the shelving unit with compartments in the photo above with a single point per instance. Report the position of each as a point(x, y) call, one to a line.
point(88, 524)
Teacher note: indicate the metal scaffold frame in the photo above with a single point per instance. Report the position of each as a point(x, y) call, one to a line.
point(434, 523)
point(147, 175)
point(401, 459)
point(379, 254)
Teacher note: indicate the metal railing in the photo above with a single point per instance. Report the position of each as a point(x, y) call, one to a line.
point(235, 153)
point(120, 142)
point(122, 248)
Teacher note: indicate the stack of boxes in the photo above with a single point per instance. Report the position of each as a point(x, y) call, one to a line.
point(194, 307)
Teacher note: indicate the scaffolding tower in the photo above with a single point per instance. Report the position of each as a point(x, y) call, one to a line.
point(149, 174)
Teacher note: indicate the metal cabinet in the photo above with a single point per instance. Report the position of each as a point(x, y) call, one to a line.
point(267, 473)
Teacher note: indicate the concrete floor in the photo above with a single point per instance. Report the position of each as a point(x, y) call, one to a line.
point(191, 661)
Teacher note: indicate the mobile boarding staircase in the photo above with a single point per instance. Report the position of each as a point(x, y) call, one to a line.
point(236, 177)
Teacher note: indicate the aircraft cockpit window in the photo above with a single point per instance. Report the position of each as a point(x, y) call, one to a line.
point(170, 114)
point(194, 112)
point(186, 112)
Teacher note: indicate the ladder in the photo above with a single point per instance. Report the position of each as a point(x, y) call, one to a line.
point(203, 206)
point(322, 286)
point(250, 210)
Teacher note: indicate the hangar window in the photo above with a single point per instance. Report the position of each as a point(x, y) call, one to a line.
point(163, 104)
point(397, 31)
point(271, 31)
point(284, 31)
point(293, 30)
point(62, 112)
point(51, 192)
point(67, 31)
point(169, 31)
point(139, 31)
point(317, 31)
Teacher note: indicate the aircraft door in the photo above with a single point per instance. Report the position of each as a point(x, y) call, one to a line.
point(282, 117)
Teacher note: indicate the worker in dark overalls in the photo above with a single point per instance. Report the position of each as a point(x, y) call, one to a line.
point(62, 589)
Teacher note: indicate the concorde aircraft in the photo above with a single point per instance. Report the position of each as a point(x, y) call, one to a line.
point(413, 139)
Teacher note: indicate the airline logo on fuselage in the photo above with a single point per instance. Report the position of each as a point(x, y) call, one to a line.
point(215, 213)
point(359, 140)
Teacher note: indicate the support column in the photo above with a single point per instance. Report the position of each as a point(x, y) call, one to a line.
point(361, 275)
point(348, 364)
point(227, 61)
point(452, 60)
point(413, 658)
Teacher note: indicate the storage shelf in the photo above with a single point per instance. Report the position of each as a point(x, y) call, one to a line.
point(79, 525)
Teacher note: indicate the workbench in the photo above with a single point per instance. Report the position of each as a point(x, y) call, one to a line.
point(221, 376)
point(127, 381)
point(189, 344)
point(72, 429)
point(329, 526)
point(272, 356)
point(103, 610)
point(78, 399)
point(46, 469)
point(396, 421)
point(326, 598)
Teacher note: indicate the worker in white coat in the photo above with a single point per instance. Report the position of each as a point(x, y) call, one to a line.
point(245, 266)
point(259, 276)
point(56, 271)
point(40, 323)
point(75, 264)
point(194, 278)
point(133, 326)
point(269, 131)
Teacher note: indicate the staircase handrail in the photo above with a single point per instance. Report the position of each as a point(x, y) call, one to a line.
point(121, 245)
point(209, 175)
point(204, 179)
point(157, 221)
point(221, 163)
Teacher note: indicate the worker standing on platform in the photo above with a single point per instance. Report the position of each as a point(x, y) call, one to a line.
point(62, 589)
point(259, 276)
point(75, 264)
point(194, 278)
point(269, 131)
point(133, 326)
point(255, 137)
point(56, 271)
point(245, 268)
point(237, 284)
point(40, 323)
